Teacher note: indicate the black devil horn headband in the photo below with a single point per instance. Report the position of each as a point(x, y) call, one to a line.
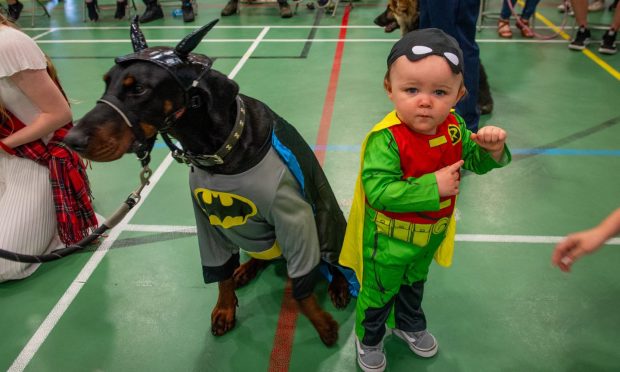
point(191, 41)
point(137, 37)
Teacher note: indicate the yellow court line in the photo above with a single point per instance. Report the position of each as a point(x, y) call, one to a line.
point(604, 65)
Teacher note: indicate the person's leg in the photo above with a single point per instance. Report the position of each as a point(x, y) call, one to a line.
point(458, 18)
point(506, 12)
point(121, 5)
point(14, 9)
point(188, 11)
point(580, 7)
point(582, 36)
point(608, 45)
point(529, 9)
point(91, 7)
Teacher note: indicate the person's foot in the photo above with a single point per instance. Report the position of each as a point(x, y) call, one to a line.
point(581, 40)
point(232, 7)
point(152, 13)
point(370, 358)
point(120, 9)
point(524, 26)
point(14, 10)
point(596, 6)
point(503, 28)
point(566, 7)
point(421, 343)
point(188, 11)
point(285, 10)
point(608, 45)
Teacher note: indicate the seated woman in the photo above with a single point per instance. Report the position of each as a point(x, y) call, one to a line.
point(44, 192)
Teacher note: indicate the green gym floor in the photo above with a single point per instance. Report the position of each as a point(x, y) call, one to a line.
point(137, 301)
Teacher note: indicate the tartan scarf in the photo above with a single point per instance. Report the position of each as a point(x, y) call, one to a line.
point(70, 187)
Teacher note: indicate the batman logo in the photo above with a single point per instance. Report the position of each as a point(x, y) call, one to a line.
point(455, 133)
point(224, 209)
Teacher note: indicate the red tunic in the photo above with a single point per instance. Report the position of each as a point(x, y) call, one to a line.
point(422, 154)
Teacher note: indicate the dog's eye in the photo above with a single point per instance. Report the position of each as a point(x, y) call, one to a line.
point(137, 89)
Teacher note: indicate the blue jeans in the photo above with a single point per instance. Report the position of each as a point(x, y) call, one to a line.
point(458, 19)
point(528, 10)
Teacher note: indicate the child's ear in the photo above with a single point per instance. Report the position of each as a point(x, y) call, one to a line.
point(387, 86)
point(462, 93)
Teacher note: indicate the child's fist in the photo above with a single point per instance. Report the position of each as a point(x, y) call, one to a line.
point(490, 138)
point(448, 179)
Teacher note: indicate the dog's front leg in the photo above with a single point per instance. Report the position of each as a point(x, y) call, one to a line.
point(339, 289)
point(223, 314)
point(322, 321)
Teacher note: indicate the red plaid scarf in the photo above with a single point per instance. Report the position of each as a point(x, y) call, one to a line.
point(70, 188)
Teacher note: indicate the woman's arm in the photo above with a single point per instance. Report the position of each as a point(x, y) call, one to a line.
point(44, 94)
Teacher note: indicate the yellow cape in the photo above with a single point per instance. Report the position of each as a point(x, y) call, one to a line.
point(351, 254)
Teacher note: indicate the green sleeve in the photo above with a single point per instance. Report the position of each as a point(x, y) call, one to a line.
point(477, 159)
point(382, 179)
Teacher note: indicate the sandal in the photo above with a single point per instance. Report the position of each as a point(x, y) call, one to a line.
point(524, 26)
point(503, 28)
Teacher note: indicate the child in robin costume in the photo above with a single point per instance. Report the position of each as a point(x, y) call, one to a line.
point(402, 212)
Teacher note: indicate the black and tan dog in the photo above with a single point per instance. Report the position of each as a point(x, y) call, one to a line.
point(253, 178)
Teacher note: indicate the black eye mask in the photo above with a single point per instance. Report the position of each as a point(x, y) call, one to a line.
point(419, 44)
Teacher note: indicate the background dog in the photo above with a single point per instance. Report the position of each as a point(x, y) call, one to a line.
point(174, 92)
point(406, 14)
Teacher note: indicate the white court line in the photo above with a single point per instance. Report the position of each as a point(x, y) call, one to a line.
point(482, 238)
point(299, 40)
point(35, 342)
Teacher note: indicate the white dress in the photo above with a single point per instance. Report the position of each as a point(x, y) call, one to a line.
point(27, 216)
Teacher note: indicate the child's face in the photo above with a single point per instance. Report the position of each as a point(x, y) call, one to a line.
point(423, 92)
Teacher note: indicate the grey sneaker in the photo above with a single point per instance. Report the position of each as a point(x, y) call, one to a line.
point(370, 358)
point(422, 343)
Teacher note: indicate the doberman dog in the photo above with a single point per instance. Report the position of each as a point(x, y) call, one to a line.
point(253, 178)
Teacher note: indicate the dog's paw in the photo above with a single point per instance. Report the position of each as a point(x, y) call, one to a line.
point(339, 290)
point(222, 321)
point(327, 328)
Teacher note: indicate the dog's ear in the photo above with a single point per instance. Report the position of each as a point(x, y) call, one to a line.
point(137, 37)
point(191, 41)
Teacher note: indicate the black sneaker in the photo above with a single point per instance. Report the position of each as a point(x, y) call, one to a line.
point(582, 38)
point(608, 45)
point(152, 12)
point(188, 11)
point(15, 10)
point(285, 10)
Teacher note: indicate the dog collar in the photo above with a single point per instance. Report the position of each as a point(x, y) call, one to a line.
point(204, 160)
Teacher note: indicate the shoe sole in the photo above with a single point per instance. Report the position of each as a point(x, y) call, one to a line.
point(607, 51)
point(423, 353)
point(579, 47)
point(364, 367)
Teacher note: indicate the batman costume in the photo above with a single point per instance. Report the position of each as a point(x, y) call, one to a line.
point(265, 212)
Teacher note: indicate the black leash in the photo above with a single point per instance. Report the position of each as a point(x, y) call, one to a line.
point(109, 223)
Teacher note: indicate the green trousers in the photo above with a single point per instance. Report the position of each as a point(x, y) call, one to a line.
point(392, 284)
